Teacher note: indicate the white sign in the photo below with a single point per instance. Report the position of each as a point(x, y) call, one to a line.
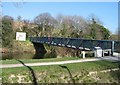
point(21, 36)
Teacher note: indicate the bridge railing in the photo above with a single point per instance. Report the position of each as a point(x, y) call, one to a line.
point(78, 43)
point(117, 46)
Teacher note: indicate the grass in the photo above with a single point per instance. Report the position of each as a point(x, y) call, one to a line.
point(89, 66)
point(52, 74)
point(23, 45)
point(13, 61)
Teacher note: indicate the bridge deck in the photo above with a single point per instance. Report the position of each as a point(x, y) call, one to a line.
point(77, 43)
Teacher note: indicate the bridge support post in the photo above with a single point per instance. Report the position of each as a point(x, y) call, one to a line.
point(40, 50)
point(112, 51)
point(83, 54)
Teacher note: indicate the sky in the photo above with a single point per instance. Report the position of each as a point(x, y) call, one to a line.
point(61, 0)
point(107, 12)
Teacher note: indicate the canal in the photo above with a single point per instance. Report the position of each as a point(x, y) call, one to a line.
point(26, 55)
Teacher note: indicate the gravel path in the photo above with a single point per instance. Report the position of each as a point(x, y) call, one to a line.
point(60, 62)
point(49, 63)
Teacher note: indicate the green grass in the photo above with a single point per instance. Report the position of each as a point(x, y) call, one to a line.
point(13, 61)
point(89, 66)
point(53, 73)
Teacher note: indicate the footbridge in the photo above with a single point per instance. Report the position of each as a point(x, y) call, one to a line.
point(75, 43)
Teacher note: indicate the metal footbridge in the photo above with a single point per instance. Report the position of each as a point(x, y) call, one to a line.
point(78, 43)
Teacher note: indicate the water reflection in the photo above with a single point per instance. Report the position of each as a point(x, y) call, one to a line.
point(27, 55)
point(23, 55)
point(38, 56)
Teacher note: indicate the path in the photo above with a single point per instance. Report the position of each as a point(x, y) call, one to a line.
point(49, 63)
point(59, 62)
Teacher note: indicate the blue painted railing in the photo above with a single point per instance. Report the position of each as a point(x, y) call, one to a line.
point(78, 43)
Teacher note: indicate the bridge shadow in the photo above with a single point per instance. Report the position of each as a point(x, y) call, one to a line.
point(34, 80)
point(39, 51)
point(72, 79)
point(38, 56)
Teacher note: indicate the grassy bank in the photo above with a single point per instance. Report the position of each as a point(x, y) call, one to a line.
point(13, 61)
point(23, 46)
point(58, 74)
point(19, 46)
point(52, 51)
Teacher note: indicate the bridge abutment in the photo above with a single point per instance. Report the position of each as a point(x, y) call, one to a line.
point(39, 50)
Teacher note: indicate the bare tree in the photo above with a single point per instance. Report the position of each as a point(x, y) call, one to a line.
point(45, 23)
point(71, 25)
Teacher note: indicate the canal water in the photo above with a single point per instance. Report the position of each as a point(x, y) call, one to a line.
point(26, 55)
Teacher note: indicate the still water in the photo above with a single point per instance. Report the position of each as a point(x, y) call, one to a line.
point(26, 55)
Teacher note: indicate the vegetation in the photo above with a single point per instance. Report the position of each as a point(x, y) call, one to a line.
point(17, 46)
point(61, 26)
point(7, 31)
point(114, 37)
point(59, 74)
point(46, 25)
point(99, 32)
point(13, 61)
